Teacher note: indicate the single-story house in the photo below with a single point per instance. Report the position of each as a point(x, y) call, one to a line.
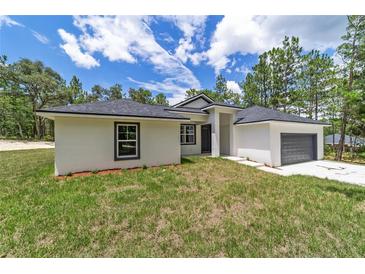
point(127, 134)
point(350, 141)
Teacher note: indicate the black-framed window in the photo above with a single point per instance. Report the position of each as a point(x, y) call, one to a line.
point(187, 134)
point(126, 144)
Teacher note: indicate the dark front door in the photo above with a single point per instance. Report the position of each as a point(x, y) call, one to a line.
point(206, 138)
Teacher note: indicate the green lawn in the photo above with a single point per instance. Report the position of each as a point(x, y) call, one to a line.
point(205, 207)
point(356, 158)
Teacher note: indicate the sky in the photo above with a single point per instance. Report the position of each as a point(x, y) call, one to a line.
point(167, 54)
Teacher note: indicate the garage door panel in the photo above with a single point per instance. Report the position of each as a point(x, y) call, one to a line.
point(296, 148)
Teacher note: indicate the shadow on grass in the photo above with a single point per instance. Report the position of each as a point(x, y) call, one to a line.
point(352, 193)
point(186, 161)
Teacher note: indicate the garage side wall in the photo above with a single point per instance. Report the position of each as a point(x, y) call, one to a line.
point(84, 144)
point(276, 128)
point(253, 142)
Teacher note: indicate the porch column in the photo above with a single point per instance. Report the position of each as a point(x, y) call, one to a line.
point(215, 134)
point(232, 140)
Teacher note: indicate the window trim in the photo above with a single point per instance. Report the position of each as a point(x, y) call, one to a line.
point(188, 144)
point(116, 141)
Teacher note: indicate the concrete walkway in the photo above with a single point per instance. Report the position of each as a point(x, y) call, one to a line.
point(8, 145)
point(343, 172)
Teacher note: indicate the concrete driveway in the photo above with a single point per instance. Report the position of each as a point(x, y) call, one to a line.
point(344, 172)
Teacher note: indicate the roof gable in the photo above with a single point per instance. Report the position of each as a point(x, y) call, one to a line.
point(199, 100)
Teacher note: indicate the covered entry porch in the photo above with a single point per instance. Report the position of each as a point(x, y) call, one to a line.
point(213, 135)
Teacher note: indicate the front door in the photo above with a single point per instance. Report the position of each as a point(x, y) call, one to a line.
point(206, 135)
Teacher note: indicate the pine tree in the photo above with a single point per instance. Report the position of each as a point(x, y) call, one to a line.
point(352, 52)
point(76, 94)
point(115, 92)
point(160, 99)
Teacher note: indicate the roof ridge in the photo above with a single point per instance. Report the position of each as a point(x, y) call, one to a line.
point(192, 98)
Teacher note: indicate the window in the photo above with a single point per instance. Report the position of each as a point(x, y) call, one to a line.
point(126, 141)
point(187, 134)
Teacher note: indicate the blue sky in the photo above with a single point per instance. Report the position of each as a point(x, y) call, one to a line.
point(166, 54)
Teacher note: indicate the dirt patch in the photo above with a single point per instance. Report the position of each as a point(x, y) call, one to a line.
point(188, 189)
point(89, 173)
point(361, 207)
point(44, 240)
point(215, 217)
point(161, 225)
point(110, 171)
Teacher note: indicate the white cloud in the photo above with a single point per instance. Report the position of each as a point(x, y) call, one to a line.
point(7, 21)
point(232, 85)
point(166, 86)
point(72, 49)
point(243, 69)
point(130, 39)
point(183, 50)
point(255, 34)
point(337, 60)
point(167, 37)
point(40, 37)
point(191, 26)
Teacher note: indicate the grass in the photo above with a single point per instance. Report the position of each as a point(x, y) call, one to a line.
point(206, 207)
point(356, 158)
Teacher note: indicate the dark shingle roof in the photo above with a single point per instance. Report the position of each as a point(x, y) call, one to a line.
point(122, 107)
point(260, 114)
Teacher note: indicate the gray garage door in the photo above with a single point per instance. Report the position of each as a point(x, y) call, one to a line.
point(296, 148)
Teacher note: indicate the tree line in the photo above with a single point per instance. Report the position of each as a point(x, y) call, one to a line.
point(309, 84)
point(26, 86)
point(286, 78)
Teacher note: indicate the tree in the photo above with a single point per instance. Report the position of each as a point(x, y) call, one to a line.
point(316, 78)
point(262, 78)
point(285, 63)
point(210, 93)
point(76, 95)
point(98, 93)
point(141, 95)
point(115, 92)
point(221, 87)
point(42, 85)
point(221, 92)
point(251, 95)
point(257, 85)
point(352, 52)
point(160, 99)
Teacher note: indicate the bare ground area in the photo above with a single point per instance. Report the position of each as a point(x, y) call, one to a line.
point(7, 145)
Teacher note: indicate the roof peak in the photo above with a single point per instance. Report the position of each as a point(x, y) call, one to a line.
point(195, 97)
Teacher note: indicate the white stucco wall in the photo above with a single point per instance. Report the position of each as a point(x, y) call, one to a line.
point(253, 141)
point(276, 128)
point(261, 142)
point(86, 144)
point(193, 149)
point(224, 131)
